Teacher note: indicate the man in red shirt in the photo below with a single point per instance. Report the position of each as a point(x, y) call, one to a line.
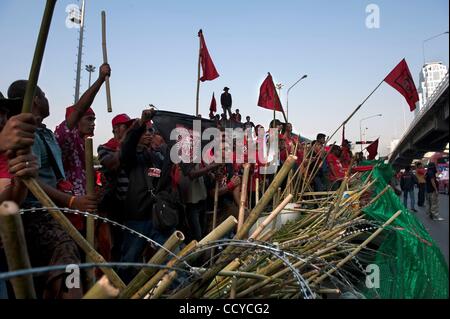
point(336, 173)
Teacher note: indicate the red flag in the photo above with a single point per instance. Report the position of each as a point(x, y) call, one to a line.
point(213, 106)
point(268, 97)
point(400, 79)
point(372, 149)
point(209, 70)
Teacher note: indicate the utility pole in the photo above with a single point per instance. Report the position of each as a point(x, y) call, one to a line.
point(90, 68)
point(80, 53)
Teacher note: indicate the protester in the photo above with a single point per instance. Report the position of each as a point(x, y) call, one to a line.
point(79, 123)
point(420, 174)
point(432, 192)
point(407, 183)
point(336, 170)
point(48, 243)
point(248, 124)
point(226, 101)
point(146, 170)
point(238, 116)
point(346, 156)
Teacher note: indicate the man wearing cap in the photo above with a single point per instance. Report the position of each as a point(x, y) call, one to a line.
point(115, 186)
point(48, 243)
point(226, 101)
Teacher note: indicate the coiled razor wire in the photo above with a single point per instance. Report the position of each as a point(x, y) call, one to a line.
point(45, 269)
point(107, 220)
point(273, 250)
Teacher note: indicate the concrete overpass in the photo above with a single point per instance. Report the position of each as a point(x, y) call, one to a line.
point(429, 132)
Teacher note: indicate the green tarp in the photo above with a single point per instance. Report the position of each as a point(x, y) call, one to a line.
point(411, 264)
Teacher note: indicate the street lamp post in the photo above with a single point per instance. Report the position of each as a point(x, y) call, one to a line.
point(287, 94)
point(90, 68)
point(429, 39)
point(360, 127)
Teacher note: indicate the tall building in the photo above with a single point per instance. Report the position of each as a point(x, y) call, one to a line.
point(431, 75)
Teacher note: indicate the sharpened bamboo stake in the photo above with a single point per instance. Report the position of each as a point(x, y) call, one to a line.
point(105, 60)
point(102, 290)
point(90, 190)
point(15, 246)
point(158, 258)
point(163, 285)
point(243, 196)
point(271, 217)
point(220, 231)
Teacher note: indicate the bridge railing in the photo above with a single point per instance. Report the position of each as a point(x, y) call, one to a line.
point(442, 86)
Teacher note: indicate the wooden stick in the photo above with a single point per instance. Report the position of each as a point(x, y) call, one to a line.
point(271, 217)
point(90, 252)
point(102, 290)
point(105, 60)
point(160, 274)
point(358, 249)
point(158, 258)
point(257, 191)
point(216, 205)
point(38, 55)
point(243, 196)
point(90, 190)
point(13, 238)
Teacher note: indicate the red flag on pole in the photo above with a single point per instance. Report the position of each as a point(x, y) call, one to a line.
point(268, 97)
point(213, 106)
point(400, 79)
point(372, 149)
point(209, 70)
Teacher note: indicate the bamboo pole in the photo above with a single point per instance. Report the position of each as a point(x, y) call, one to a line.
point(160, 274)
point(90, 190)
point(90, 252)
point(102, 290)
point(158, 258)
point(256, 191)
point(163, 285)
point(31, 183)
point(38, 55)
point(243, 196)
point(271, 217)
point(15, 246)
point(216, 205)
point(197, 98)
point(197, 288)
point(358, 249)
point(105, 60)
point(220, 231)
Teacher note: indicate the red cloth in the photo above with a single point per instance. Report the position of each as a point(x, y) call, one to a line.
point(346, 157)
point(268, 97)
point(4, 170)
point(334, 161)
point(400, 79)
point(372, 149)
point(213, 105)
point(112, 144)
point(209, 70)
point(71, 109)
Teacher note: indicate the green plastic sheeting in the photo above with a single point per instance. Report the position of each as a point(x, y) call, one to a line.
point(411, 264)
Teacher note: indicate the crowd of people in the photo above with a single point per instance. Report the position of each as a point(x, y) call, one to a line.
point(135, 171)
point(427, 185)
